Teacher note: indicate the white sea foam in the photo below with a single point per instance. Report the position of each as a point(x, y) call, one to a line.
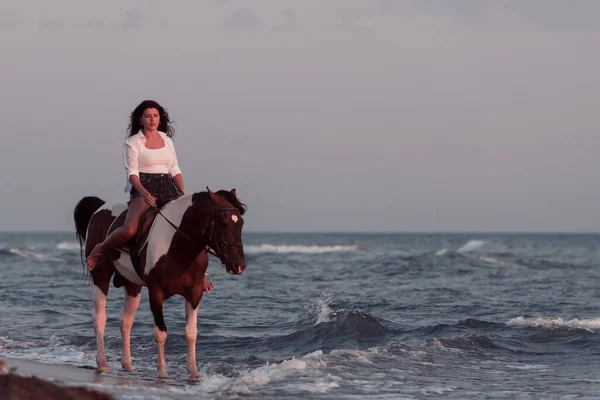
point(322, 309)
point(54, 352)
point(356, 356)
point(490, 260)
point(31, 254)
point(305, 374)
point(10, 345)
point(284, 249)
point(435, 389)
point(471, 245)
point(72, 246)
point(556, 323)
point(314, 373)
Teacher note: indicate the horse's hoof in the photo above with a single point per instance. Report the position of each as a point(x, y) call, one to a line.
point(127, 367)
point(193, 373)
point(103, 368)
point(162, 373)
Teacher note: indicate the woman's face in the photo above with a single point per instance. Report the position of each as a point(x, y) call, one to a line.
point(150, 119)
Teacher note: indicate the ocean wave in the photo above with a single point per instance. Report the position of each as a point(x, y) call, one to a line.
point(468, 247)
point(545, 264)
point(288, 248)
point(441, 252)
point(307, 367)
point(301, 375)
point(467, 324)
point(8, 253)
point(7, 344)
point(32, 255)
point(69, 246)
point(552, 324)
point(471, 245)
point(477, 343)
point(331, 328)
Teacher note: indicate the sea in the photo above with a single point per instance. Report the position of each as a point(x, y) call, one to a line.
point(334, 316)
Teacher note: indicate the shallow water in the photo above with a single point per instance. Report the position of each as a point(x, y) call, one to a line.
point(336, 316)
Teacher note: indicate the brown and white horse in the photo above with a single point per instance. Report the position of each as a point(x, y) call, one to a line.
point(168, 256)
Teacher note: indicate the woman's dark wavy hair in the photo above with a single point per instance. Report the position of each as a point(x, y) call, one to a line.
point(134, 120)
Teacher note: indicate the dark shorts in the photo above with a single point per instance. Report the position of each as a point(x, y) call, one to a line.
point(160, 186)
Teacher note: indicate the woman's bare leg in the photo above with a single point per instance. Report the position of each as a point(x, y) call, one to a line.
point(121, 235)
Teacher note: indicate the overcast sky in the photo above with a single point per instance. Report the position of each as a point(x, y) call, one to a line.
point(337, 115)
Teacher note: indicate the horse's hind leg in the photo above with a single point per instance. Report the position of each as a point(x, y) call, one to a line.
point(101, 279)
point(130, 306)
point(160, 329)
point(101, 275)
point(99, 326)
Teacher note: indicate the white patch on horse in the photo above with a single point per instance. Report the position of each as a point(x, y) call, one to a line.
point(234, 218)
point(125, 268)
point(161, 232)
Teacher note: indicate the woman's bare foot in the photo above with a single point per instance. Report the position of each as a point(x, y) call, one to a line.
point(94, 258)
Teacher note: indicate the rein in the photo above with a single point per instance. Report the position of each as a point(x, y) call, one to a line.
point(212, 230)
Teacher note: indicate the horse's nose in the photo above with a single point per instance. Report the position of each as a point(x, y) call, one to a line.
point(237, 268)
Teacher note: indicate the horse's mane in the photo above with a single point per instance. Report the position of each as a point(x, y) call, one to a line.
point(203, 196)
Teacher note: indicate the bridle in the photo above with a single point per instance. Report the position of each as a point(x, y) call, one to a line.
point(218, 253)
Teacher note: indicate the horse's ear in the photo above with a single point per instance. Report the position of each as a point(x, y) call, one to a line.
point(232, 191)
point(213, 196)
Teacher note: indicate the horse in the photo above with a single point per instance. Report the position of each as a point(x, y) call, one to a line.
point(168, 256)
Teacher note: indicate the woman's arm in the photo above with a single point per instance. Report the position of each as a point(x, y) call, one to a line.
point(146, 195)
point(137, 185)
point(175, 171)
point(178, 180)
point(130, 158)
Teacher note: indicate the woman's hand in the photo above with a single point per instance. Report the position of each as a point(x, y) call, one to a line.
point(178, 181)
point(151, 200)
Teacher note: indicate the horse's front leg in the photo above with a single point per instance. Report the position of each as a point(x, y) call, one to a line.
point(191, 332)
point(130, 306)
point(193, 296)
point(160, 329)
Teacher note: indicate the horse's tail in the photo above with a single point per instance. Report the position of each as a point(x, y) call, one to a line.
point(82, 214)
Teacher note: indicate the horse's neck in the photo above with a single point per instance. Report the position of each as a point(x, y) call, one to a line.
point(162, 232)
point(173, 212)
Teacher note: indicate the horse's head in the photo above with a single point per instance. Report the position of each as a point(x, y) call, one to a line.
point(227, 224)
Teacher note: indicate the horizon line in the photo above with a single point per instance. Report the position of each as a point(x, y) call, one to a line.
point(375, 232)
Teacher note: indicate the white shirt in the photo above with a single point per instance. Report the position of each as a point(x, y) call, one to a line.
point(137, 158)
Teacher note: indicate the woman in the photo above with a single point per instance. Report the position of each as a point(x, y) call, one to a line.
point(153, 174)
